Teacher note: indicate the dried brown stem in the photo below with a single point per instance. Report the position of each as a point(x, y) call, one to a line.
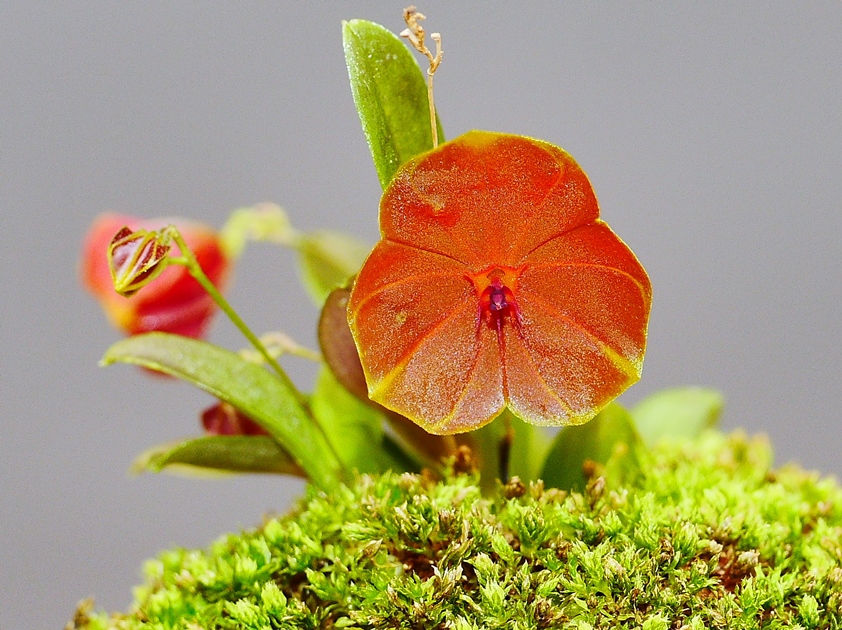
point(415, 34)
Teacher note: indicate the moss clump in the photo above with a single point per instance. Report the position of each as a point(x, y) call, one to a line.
point(709, 537)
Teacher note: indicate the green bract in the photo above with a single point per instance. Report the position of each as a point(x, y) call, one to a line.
point(326, 259)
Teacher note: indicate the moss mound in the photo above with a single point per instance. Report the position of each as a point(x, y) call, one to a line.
point(710, 537)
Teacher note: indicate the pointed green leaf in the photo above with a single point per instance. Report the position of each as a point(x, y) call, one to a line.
point(390, 93)
point(327, 260)
point(679, 412)
point(218, 454)
point(609, 439)
point(354, 428)
point(249, 387)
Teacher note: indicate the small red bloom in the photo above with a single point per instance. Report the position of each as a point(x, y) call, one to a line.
point(174, 302)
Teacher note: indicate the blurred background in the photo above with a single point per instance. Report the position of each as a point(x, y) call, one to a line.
point(711, 134)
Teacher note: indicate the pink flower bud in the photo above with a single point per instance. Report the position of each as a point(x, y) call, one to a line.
point(174, 302)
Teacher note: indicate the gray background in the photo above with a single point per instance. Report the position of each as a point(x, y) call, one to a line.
point(712, 135)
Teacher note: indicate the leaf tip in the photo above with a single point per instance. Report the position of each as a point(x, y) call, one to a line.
point(349, 27)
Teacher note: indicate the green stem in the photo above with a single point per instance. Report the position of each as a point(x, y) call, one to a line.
point(189, 260)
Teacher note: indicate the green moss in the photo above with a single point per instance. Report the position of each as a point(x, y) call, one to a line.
point(710, 537)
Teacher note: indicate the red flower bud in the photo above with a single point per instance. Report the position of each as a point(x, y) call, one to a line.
point(174, 302)
point(224, 419)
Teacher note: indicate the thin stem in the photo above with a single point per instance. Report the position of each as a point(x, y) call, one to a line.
point(189, 260)
point(505, 449)
point(414, 32)
point(434, 65)
point(432, 110)
point(450, 443)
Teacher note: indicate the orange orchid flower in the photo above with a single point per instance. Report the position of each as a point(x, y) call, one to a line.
point(496, 285)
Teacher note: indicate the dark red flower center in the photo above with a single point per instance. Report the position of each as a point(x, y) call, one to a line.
point(497, 300)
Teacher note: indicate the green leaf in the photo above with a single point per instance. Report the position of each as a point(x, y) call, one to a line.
point(218, 454)
point(327, 260)
point(390, 93)
point(679, 412)
point(248, 387)
point(354, 428)
point(609, 439)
